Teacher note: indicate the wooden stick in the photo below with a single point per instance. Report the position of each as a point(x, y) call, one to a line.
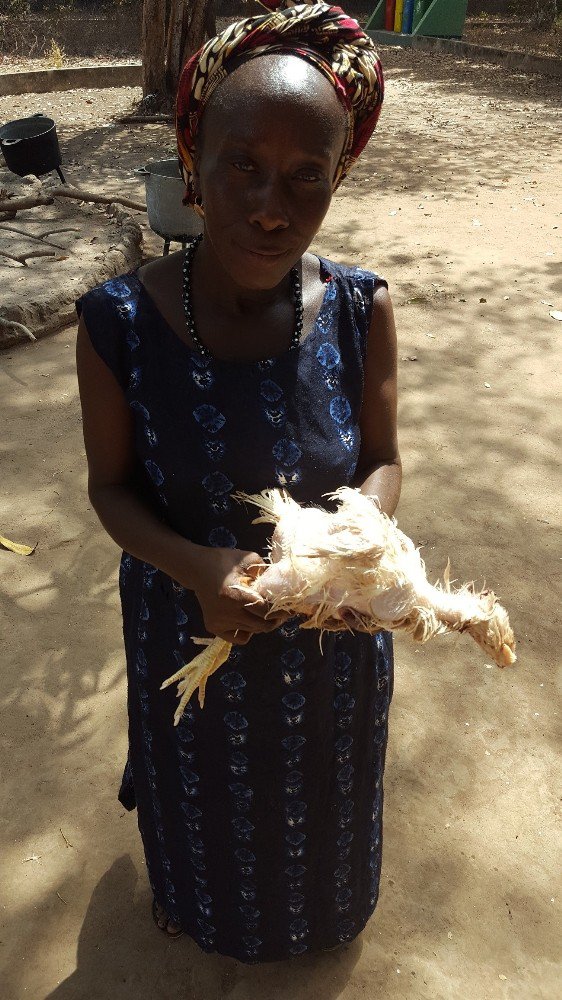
point(31, 236)
point(12, 205)
point(18, 204)
point(18, 327)
point(102, 199)
point(66, 840)
point(23, 258)
point(146, 120)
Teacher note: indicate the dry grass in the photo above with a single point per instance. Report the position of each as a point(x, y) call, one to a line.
point(55, 55)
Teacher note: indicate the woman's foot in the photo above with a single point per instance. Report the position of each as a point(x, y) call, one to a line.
point(163, 922)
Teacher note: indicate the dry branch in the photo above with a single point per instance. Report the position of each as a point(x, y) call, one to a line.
point(31, 236)
point(18, 327)
point(102, 199)
point(13, 205)
point(146, 120)
point(24, 257)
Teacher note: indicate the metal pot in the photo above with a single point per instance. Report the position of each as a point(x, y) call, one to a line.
point(30, 146)
point(165, 190)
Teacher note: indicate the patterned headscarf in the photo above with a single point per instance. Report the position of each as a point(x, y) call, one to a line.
point(318, 33)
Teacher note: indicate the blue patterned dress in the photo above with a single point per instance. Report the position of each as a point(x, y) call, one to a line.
point(260, 815)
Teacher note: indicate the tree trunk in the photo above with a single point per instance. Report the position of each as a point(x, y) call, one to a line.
point(545, 13)
point(153, 47)
point(176, 34)
point(172, 30)
point(195, 35)
point(211, 20)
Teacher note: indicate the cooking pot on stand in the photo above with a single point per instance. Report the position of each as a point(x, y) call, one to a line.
point(167, 216)
point(30, 146)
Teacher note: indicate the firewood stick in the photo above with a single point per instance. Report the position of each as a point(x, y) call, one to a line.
point(24, 257)
point(12, 205)
point(103, 199)
point(146, 120)
point(18, 327)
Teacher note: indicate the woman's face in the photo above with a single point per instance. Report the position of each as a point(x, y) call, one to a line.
point(268, 149)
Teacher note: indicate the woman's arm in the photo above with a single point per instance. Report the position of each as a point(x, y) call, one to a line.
point(379, 469)
point(108, 439)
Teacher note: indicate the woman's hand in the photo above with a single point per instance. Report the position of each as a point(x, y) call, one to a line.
point(226, 613)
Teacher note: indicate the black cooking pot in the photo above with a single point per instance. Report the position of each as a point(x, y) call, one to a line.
point(30, 146)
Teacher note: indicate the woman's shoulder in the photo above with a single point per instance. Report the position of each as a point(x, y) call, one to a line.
point(122, 288)
point(351, 298)
point(108, 312)
point(352, 274)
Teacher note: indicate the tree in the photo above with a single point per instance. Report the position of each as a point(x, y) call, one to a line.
point(172, 30)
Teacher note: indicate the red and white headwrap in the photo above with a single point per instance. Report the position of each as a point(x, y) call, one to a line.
point(316, 32)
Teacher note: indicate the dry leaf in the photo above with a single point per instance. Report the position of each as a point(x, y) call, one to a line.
point(20, 550)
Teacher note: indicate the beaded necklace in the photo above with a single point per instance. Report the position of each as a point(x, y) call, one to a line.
point(188, 309)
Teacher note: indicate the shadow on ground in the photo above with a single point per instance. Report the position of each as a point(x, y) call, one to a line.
point(110, 934)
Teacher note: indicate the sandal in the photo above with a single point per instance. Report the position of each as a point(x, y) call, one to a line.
point(171, 934)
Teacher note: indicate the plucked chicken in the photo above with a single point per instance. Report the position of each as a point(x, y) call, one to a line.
point(351, 569)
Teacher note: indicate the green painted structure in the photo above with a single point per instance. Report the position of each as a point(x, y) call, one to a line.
point(441, 18)
point(376, 21)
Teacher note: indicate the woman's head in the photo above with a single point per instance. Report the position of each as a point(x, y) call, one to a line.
point(265, 161)
point(270, 116)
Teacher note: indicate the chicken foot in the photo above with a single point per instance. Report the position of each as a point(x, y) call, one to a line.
point(196, 673)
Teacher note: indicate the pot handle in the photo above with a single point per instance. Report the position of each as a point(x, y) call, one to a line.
point(9, 142)
point(141, 171)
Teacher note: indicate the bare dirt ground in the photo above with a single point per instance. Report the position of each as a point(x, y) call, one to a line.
point(515, 34)
point(457, 203)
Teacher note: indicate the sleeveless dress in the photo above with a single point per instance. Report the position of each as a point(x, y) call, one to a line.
point(260, 815)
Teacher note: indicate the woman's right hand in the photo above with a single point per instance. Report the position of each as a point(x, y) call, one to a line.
point(226, 613)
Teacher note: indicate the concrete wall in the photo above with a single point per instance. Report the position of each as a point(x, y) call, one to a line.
point(43, 81)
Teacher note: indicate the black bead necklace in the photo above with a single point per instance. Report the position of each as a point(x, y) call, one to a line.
point(188, 308)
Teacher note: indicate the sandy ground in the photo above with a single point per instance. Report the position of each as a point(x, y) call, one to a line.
point(455, 202)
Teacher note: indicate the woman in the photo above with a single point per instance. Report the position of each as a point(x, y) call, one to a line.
point(245, 363)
